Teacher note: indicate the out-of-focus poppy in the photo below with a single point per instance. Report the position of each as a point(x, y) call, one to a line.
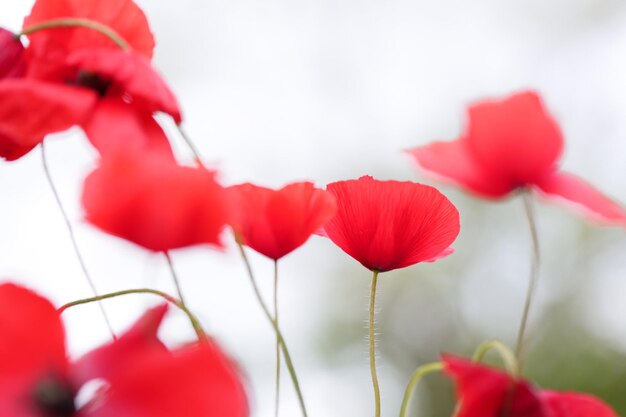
point(276, 222)
point(509, 144)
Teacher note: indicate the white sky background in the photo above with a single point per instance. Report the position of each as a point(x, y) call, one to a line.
point(277, 91)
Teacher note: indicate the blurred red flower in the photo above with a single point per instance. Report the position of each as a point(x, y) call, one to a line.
point(276, 222)
point(488, 392)
point(508, 144)
point(151, 201)
point(139, 376)
point(12, 63)
point(74, 75)
point(387, 225)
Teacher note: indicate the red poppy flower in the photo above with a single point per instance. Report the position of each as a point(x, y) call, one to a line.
point(509, 144)
point(151, 201)
point(12, 63)
point(276, 222)
point(387, 225)
point(487, 392)
point(123, 17)
point(139, 375)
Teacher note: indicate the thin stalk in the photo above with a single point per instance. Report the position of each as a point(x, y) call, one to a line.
point(277, 400)
point(79, 22)
point(372, 340)
point(192, 147)
point(170, 264)
point(507, 356)
point(534, 275)
point(70, 230)
point(195, 323)
point(268, 315)
point(415, 379)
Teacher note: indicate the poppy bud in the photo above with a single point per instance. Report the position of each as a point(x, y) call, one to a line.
point(12, 64)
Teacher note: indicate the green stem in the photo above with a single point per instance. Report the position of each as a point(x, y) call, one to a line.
point(192, 319)
point(268, 315)
point(66, 22)
point(507, 356)
point(534, 275)
point(372, 340)
point(192, 147)
point(179, 290)
point(415, 378)
point(277, 400)
point(72, 236)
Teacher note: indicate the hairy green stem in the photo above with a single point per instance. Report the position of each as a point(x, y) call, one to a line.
point(507, 356)
point(195, 323)
point(372, 340)
point(179, 290)
point(268, 315)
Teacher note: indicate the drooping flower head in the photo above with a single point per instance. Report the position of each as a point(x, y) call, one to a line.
point(508, 144)
point(387, 225)
point(487, 392)
point(276, 222)
point(153, 202)
point(138, 375)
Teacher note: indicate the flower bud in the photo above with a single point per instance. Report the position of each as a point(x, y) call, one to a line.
point(12, 63)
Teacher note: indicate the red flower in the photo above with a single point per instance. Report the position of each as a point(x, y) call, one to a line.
point(70, 71)
point(139, 375)
point(510, 144)
point(387, 225)
point(155, 203)
point(487, 392)
point(12, 62)
point(276, 222)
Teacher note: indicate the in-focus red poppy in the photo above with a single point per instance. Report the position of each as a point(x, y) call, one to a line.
point(488, 392)
point(387, 225)
point(276, 222)
point(153, 202)
point(70, 71)
point(137, 374)
point(509, 144)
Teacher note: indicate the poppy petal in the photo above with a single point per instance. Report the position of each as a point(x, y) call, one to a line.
point(197, 381)
point(454, 162)
point(114, 127)
point(139, 340)
point(486, 392)
point(123, 16)
point(30, 109)
point(573, 404)
point(149, 200)
point(579, 194)
point(276, 222)
point(132, 78)
point(12, 63)
point(387, 225)
point(514, 139)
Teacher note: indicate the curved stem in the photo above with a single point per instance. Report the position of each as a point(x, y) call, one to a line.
point(192, 319)
point(415, 378)
point(507, 356)
point(170, 264)
point(66, 22)
point(534, 275)
point(277, 400)
point(372, 340)
point(70, 230)
point(268, 315)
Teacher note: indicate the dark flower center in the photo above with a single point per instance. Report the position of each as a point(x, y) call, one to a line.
point(55, 397)
point(93, 82)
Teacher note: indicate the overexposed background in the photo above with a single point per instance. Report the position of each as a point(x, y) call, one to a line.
point(277, 91)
